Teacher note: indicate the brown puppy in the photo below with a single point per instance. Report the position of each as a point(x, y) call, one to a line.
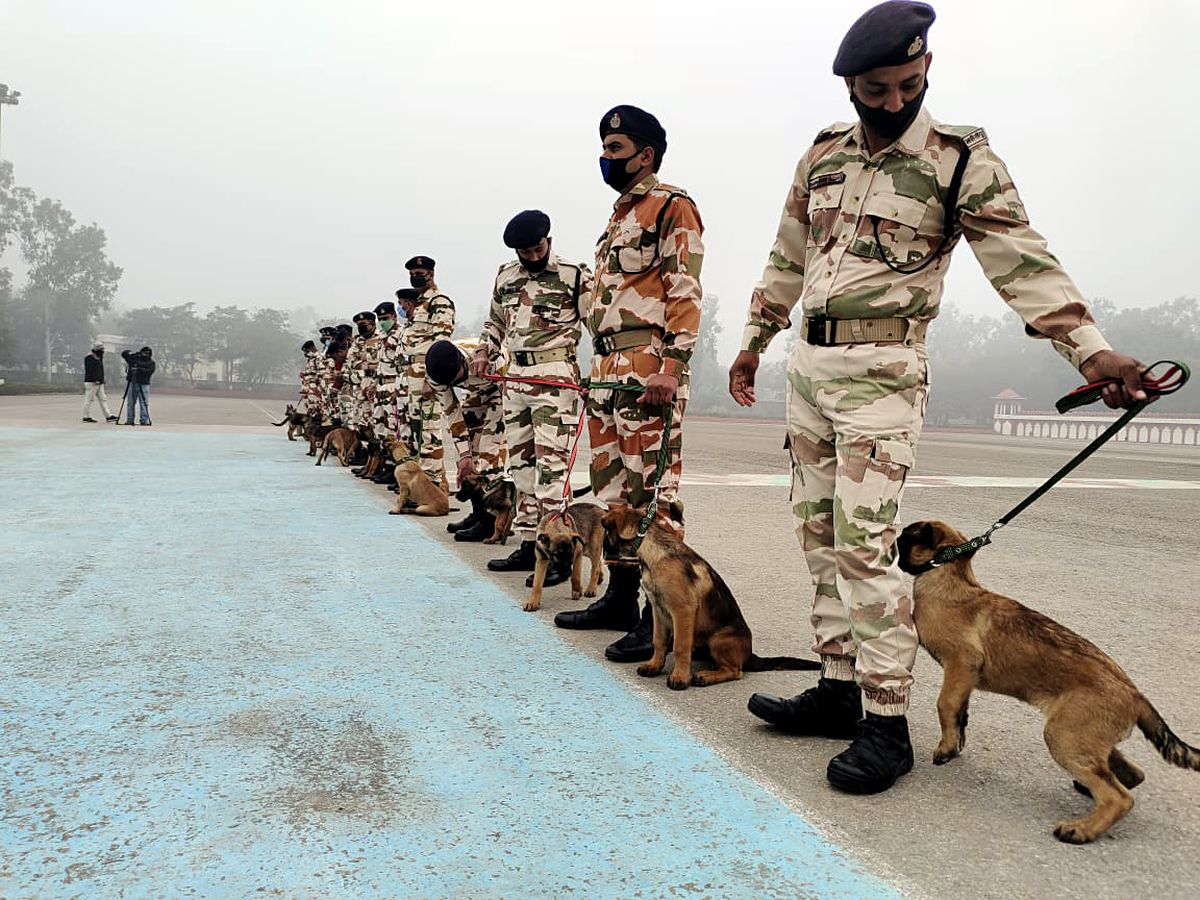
point(343, 441)
point(499, 498)
point(690, 601)
point(577, 533)
point(413, 485)
point(986, 641)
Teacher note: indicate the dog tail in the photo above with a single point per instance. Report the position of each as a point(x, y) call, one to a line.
point(767, 663)
point(581, 492)
point(1165, 741)
point(277, 424)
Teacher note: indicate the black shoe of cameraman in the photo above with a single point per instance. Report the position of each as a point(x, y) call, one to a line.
point(111, 419)
point(89, 419)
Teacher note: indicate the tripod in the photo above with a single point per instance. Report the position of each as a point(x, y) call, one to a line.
point(122, 407)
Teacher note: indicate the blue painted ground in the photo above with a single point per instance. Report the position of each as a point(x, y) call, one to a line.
point(227, 672)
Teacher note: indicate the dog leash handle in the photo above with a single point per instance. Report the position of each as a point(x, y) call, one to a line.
point(1169, 382)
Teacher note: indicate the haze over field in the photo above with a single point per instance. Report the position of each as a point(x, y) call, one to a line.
point(291, 154)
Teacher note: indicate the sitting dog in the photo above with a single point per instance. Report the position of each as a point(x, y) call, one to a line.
point(294, 420)
point(564, 537)
point(416, 495)
point(691, 602)
point(498, 499)
point(986, 641)
point(343, 441)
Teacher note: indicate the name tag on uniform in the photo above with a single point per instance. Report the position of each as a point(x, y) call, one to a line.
point(826, 180)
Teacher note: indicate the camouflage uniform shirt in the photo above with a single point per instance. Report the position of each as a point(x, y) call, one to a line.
point(536, 311)
point(826, 257)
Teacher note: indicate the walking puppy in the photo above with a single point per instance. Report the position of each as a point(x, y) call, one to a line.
point(571, 535)
point(414, 487)
point(294, 420)
point(498, 498)
point(343, 441)
point(315, 433)
point(690, 602)
point(986, 641)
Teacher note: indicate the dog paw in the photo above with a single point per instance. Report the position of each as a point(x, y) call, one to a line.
point(699, 680)
point(677, 684)
point(646, 670)
point(575, 595)
point(1074, 832)
point(943, 755)
point(586, 594)
point(490, 540)
point(393, 512)
point(530, 606)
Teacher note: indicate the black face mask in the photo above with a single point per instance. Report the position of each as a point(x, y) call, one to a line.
point(365, 328)
point(889, 125)
point(535, 265)
point(614, 173)
point(418, 281)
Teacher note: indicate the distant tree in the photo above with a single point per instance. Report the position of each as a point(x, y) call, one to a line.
point(269, 349)
point(70, 278)
point(176, 333)
point(223, 330)
point(708, 382)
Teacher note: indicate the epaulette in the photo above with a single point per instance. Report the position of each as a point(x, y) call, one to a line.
point(837, 129)
point(671, 190)
point(970, 135)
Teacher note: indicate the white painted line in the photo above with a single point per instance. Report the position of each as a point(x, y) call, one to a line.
point(580, 478)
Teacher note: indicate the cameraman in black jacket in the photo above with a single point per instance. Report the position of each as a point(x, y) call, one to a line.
point(141, 367)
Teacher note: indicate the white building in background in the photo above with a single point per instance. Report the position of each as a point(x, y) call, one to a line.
point(1010, 418)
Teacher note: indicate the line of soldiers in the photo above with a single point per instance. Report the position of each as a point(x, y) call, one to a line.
point(872, 214)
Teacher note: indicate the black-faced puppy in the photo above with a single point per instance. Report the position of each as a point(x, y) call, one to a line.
point(987, 641)
point(315, 432)
point(569, 537)
point(499, 497)
point(690, 602)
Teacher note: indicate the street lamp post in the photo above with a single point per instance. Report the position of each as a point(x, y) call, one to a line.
point(8, 98)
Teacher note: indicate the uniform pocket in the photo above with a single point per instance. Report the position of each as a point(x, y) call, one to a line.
point(870, 482)
point(824, 203)
point(905, 227)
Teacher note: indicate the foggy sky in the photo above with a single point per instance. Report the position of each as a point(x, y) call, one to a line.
point(286, 153)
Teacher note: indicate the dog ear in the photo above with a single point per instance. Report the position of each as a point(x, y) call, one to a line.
point(544, 540)
point(927, 534)
point(576, 539)
point(607, 520)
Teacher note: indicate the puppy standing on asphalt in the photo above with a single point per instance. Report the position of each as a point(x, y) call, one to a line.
point(569, 537)
point(691, 602)
point(983, 640)
point(315, 432)
point(343, 441)
point(414, 487)
point(294, 420)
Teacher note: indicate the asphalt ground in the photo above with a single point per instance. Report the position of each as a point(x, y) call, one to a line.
point(1116, 563)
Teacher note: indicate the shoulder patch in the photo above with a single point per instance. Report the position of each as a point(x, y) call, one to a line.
point(971, 135)
point(837, 129)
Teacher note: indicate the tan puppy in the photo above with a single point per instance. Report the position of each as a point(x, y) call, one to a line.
point(499, 498)
point(414, 485)
point(986, 641)
point(690, 602)
point(315, 433)
point(342, 441)
point(577, 533)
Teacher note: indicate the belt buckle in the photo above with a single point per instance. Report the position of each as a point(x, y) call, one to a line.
point(520, 356)
point(603, 344)
point(816, 330)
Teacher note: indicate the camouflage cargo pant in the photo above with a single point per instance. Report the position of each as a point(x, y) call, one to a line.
point(539, 426)
point(364, 415)
point(483, 416)
point(425, 424)
point(387, 411)
point(626, 436)
point(854, 414)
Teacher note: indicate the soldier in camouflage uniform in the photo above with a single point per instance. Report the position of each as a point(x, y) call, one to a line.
point(644, 316)
point(389, 410)
point(341, 389)
point(534, 321)
point(874, 210)
point(307, 374)
point(432, 317)
point(474, 410)
point(361, 362)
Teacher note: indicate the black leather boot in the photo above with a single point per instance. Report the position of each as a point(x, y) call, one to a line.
point(617, 609)
point(832, 709)
point(555, 574)
point(520, 560)
point(482, 528)
point(385, 475)
point(638, 645)
point(878, 756)
point(471, 519)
